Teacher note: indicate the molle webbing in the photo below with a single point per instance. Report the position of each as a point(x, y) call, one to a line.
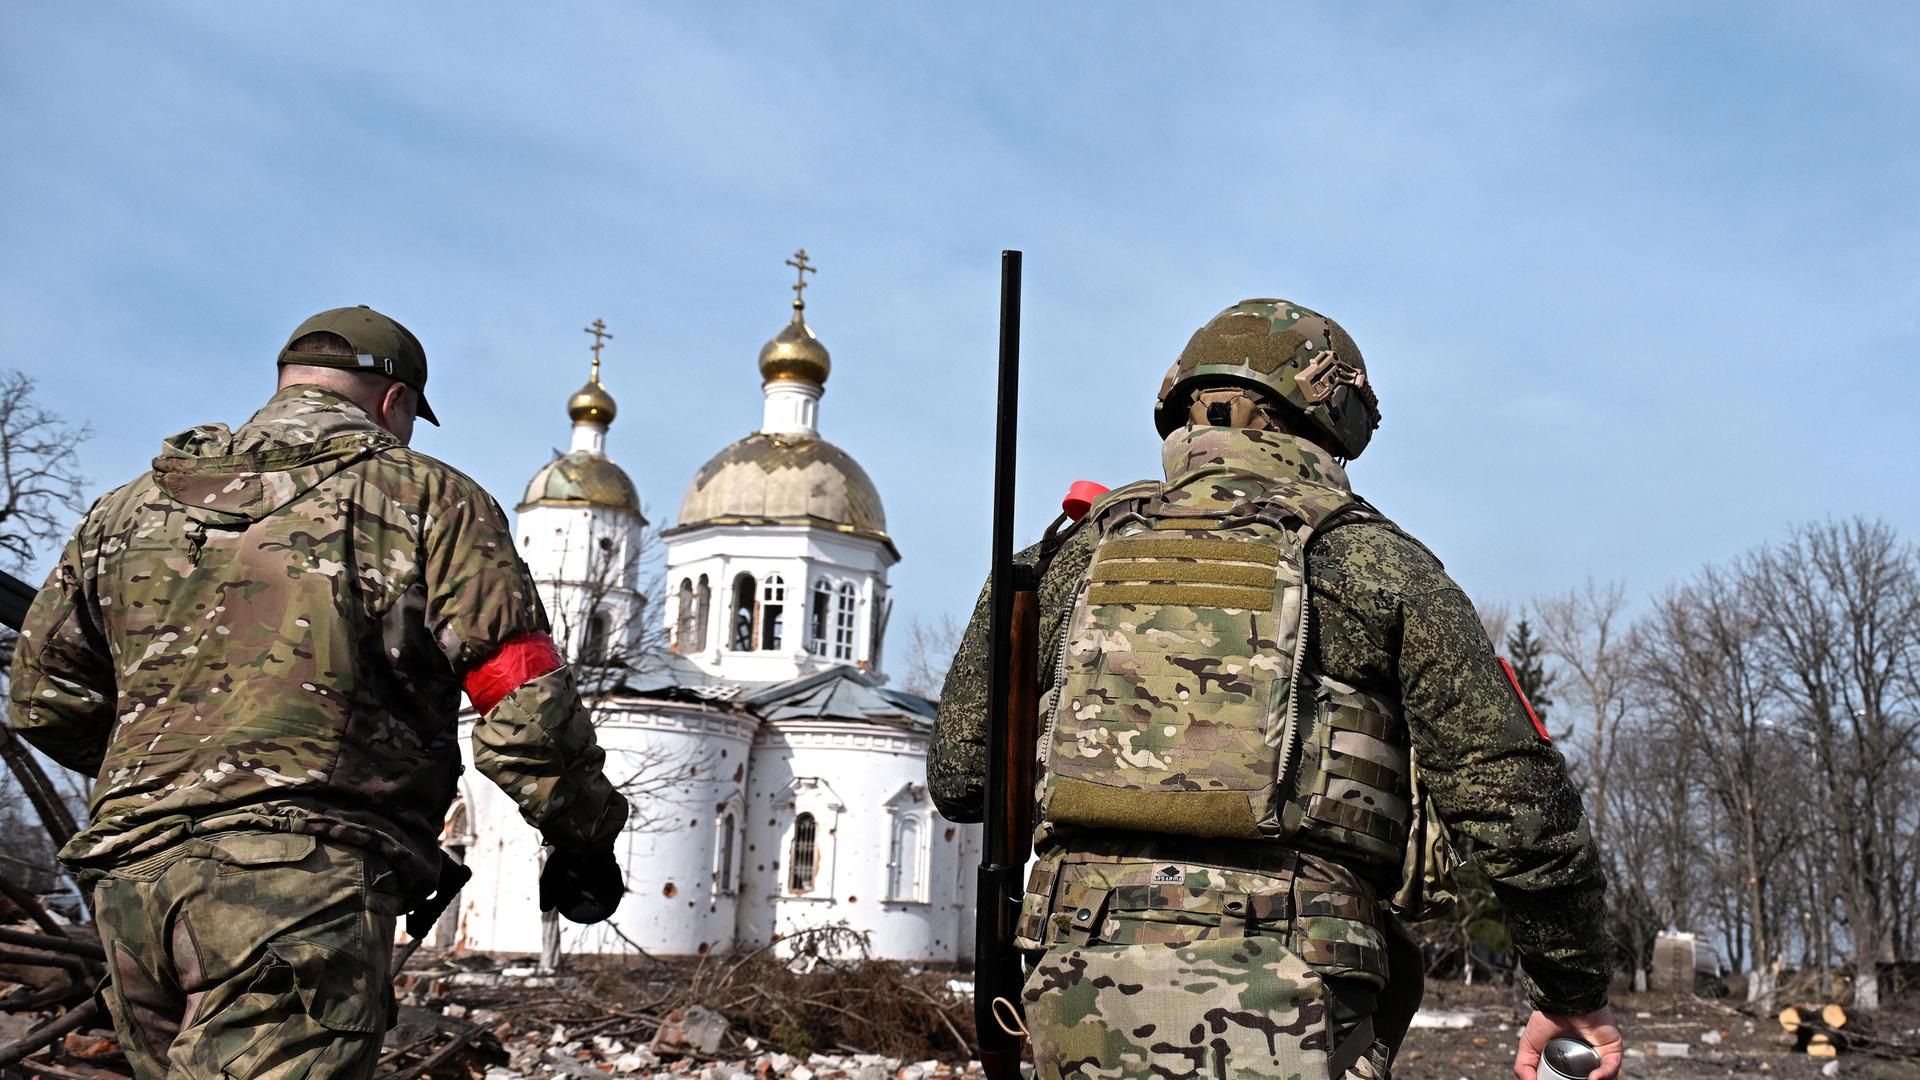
point(1185, 570)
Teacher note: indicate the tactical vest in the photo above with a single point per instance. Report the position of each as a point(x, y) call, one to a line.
point(1185, 701)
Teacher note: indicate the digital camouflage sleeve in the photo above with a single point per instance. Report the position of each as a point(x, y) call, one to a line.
point(270, 631)
point(1390, 620)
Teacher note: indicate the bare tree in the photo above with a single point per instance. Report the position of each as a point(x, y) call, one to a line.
point(40, 487)
point(40, 481)
point(1585, 632)
point(1840, 604)
point(930, 649)
point(1708, 674)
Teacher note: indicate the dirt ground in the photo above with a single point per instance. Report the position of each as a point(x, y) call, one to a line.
point(1720, 1040)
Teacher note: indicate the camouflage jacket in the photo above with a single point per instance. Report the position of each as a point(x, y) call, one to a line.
point(1389, 620)
point(270, 630)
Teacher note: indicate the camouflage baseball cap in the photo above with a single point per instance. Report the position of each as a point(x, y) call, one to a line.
point(380, 345)
point(1296, 355)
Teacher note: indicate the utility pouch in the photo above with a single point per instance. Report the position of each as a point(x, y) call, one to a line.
point(1354, 792)
point(1427, 865)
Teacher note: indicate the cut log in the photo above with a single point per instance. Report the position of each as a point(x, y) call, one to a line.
point(1790, 1018)
point(1822, 1050)
point(1833, 1016)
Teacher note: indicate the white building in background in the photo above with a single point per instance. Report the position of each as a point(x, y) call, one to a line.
point(778, 783)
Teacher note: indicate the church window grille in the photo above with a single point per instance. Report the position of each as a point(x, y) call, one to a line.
point(817, 636)
point(684, 618)
point(742, 621)
point(702, 607)
point(844, 621)
point(805, 854)
point(773, 607)
point(905, 873)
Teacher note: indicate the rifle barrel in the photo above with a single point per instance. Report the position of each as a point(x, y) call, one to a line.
point(995, 971)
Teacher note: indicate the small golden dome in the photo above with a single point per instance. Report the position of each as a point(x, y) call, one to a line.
point(592, 404)
point(581, 478)
point(794, 353)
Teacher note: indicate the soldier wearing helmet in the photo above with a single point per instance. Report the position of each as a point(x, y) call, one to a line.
point(1270, 709)
point(257, 650)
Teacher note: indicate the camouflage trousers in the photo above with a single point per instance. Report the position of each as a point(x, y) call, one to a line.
point(250, 954)
point(1179, 970)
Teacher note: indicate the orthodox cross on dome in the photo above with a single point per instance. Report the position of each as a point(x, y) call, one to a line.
point(600, 339)
point(801, 269)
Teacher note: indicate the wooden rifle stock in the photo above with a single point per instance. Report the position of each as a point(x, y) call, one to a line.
point(1023, 720)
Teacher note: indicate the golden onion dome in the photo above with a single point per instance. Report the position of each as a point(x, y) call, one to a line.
point(592, 404)
point(582, 478)
point(767, 479)
point(794, 353)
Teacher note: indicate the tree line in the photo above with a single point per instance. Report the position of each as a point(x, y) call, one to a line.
point(1745, 741)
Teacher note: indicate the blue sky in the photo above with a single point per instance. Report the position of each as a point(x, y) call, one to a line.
point(1636, 282)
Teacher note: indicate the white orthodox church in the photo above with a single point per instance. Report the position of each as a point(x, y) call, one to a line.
point(778, 783)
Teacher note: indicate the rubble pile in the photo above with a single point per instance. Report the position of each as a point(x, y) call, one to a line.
point(819, 1010)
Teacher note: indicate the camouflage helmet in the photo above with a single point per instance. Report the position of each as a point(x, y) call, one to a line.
point(1293, 354)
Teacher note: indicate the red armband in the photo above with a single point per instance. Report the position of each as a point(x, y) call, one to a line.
point(521, 660)
point(1513, 680)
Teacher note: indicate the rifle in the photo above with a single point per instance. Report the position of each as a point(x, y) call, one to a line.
point(1012, 720)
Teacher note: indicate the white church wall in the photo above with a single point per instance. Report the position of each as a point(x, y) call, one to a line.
point(583, 559)
point(884, 861)
point(681, 897)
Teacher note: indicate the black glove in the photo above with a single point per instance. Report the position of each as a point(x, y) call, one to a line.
point(585, 885)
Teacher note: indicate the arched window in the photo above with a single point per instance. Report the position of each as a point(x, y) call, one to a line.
point(593, 650)
point(726, 854)
point(905, 879)
point(684, 618)
point(703, 611)
point(845, 607)
point(773, 607)
point(805, 854)
point(817, 617)
point(741, 620)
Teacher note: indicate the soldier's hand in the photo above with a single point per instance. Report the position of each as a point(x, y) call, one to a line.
point(586, 886)
point(1598, 1029)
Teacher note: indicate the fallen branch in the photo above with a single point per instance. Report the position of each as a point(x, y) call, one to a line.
point(54, 942)
point(73, 1020)
point(72, 965)
point(23, 898)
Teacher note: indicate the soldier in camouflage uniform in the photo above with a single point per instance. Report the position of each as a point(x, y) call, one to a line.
point(1190, 921)
point(257, 650)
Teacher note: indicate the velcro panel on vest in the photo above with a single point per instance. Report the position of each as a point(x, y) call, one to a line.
point(1184, 813)
point(1250, 575)
point(1185, 571)
point(1154, 547)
